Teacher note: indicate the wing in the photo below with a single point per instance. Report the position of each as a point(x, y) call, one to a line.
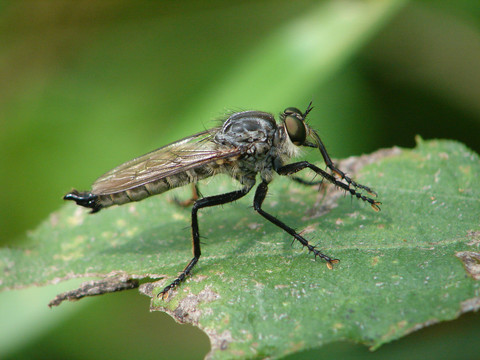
point(182, 155)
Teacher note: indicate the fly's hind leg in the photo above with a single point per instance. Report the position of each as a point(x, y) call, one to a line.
point(201, 203)
point(260, 195)
point(195, 196)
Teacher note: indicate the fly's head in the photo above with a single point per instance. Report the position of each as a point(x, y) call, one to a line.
point(297, 130)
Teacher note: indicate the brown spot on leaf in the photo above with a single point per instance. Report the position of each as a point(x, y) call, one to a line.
point(188, 310)
point(471, 262)
point(220, 342)
point(475, 238)
point(470, 305)
point(96, 287)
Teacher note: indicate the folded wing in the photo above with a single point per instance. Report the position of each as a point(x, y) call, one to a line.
point(182, 155)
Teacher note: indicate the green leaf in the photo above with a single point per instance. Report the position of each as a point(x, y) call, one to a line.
point(406, 267)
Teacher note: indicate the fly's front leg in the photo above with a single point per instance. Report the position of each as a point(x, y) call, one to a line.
point(340, 173)
point(349, 181)
point(201, 203)
point(260, 195)
point(296, 167)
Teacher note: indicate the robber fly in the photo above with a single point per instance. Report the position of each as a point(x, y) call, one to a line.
point(248, 143)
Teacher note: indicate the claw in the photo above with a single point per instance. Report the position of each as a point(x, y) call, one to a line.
point(375, 206)
point(163, 295)
point(331, 262)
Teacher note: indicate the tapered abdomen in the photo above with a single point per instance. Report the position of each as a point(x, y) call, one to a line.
point(154, 187)
point(97, 200)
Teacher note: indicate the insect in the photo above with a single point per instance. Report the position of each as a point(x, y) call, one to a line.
point(247, 144)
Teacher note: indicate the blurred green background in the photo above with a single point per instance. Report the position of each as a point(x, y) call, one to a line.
point(87, 85)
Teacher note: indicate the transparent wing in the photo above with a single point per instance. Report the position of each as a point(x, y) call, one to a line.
point(182, 155)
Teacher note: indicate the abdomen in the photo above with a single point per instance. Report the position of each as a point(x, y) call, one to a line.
point(155, 187)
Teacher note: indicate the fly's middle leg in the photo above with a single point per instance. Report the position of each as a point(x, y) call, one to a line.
point(260, 195)
point(201, 203)
point(307, 182)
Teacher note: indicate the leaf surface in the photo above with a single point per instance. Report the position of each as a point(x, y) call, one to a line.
point(408, 266)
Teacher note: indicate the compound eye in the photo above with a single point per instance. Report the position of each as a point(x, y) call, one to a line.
point(293, 111)
point(295, 128)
